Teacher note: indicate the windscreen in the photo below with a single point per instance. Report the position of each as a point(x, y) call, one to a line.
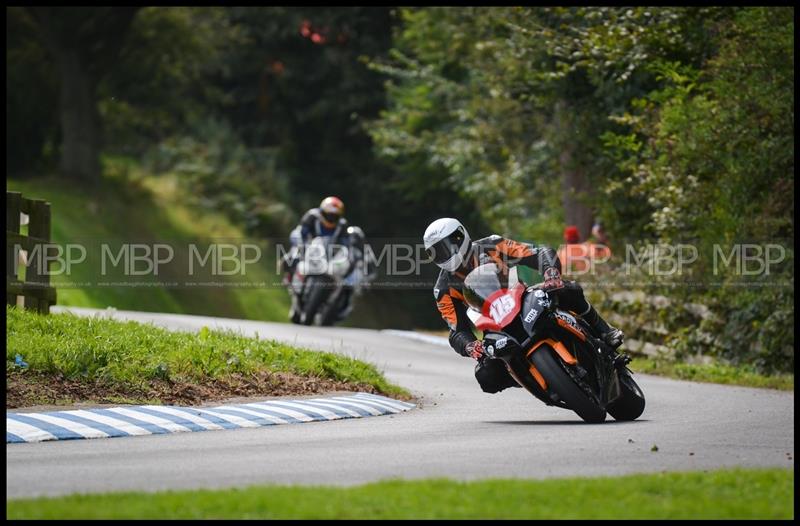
point(482, 282)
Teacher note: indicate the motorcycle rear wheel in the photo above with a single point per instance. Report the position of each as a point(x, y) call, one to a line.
point(558, 380)
point(630, 404)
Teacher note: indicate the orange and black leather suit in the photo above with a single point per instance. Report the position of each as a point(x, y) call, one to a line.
point(448, 291)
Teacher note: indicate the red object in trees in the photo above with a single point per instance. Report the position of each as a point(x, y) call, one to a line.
point(307, 30)
point(572, 235)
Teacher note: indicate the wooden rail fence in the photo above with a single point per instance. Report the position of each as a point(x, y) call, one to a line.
point(36, 289)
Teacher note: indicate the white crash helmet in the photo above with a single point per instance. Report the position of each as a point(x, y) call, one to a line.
point(447, 243)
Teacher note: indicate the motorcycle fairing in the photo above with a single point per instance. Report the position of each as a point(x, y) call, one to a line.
point(500, 308)
point(568, 322)
point(535, 304)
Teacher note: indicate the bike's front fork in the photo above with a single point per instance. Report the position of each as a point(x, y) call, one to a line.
point(616, 359)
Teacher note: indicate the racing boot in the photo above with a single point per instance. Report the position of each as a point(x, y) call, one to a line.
point(609, 334)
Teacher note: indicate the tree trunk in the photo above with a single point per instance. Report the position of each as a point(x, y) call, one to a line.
point(84, 42)
point(80, 121)
point(576, 191)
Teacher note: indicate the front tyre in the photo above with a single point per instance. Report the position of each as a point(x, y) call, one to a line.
point(630, 404)
point(316, 295)
point(328, 316)
point(294, 316)
point(559, 381)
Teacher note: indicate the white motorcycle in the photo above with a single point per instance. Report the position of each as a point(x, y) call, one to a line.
point(324, 277)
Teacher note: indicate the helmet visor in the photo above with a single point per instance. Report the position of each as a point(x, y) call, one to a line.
point(446, 248)
point(331, 217)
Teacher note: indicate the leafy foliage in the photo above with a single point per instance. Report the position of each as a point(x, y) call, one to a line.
point(720, 134)
point(160, 85)
point(679, 120)
point(220, 173)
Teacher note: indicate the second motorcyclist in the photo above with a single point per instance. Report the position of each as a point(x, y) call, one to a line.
point(327, 220)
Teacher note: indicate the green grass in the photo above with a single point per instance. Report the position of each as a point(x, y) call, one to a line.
point(724, 494)
point(712, 373)
point(132, 206)
point(131, 353)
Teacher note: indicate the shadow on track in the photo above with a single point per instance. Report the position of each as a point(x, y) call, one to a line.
point(559, 422)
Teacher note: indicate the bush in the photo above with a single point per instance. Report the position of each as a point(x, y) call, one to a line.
point(738, 320)
point(221, 173)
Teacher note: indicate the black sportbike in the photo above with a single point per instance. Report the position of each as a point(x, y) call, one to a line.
point(549, 351)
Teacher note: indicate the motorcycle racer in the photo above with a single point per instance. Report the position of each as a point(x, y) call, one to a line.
point(326, 220)
point(449, 246)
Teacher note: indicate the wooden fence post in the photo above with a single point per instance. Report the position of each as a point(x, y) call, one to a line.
point(36, 289)
point(13, 203)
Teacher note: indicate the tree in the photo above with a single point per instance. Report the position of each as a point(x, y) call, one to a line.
point(485, 95)
point(31, 98)
point(165, 81)
point(302, 86)
point(84, 43)
point(513, 103)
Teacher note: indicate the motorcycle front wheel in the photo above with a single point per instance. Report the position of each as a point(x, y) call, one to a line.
point(316, 295)
point(559, 381)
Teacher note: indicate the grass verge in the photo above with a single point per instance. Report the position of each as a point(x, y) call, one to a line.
point(142, 363)
point(723, 494)
point(712, 373)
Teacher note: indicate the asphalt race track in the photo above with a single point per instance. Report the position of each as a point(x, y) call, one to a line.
point(456, 431)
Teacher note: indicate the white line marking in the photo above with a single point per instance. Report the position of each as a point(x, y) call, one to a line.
point(427, 338)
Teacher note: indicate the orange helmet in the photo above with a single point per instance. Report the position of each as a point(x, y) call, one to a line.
point(332, 210)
